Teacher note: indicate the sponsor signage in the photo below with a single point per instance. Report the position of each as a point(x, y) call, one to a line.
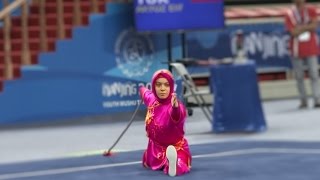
point(171, 15)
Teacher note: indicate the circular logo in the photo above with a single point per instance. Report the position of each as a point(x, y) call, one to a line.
point(134, 53)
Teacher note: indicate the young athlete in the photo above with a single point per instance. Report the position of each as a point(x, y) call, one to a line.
point(167, 149)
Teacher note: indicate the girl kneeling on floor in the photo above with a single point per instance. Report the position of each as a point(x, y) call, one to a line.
point(167, 149)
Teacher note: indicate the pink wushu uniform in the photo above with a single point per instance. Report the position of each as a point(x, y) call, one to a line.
point(164, 127)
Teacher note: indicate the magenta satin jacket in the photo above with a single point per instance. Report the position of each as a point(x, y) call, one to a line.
point(164, 126)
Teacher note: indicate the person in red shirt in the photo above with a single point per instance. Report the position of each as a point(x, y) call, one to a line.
point(301, 23)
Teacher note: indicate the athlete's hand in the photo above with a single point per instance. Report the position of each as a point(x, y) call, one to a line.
point(174, 101)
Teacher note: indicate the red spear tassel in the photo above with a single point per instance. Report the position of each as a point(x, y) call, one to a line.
point(107, 153)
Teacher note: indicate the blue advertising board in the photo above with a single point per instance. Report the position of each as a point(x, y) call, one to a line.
point(170, 15)
point(265, 43)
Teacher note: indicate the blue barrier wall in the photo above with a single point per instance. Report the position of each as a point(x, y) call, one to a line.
point(96, 72)
point(266, 43)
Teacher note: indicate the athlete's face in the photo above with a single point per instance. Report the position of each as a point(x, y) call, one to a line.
point(162, 88)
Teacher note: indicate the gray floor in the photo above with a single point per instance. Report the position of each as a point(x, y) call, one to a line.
point(288, 150)
point(285, 123)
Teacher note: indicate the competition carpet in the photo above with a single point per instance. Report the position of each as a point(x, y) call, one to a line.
point(241, 160)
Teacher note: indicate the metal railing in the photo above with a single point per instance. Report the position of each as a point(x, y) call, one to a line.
point(6, 15)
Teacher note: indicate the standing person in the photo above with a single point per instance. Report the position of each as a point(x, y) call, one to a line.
point(167, 149)
point(301, 22)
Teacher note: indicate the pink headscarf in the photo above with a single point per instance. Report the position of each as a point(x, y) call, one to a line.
point(163, 73)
